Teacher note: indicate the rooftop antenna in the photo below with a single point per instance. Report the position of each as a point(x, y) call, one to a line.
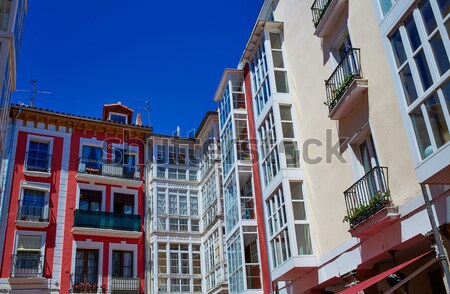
point(34, 92)
point(147, 109)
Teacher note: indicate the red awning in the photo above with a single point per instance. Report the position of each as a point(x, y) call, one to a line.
point(373, 280)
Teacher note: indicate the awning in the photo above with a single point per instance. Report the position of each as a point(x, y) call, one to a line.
point(373, 280)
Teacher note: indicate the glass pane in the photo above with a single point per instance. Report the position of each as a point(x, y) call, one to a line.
point(275, 41)
point(447, 27)
point(424, 71)
point(421, 132)
point(444, 5)
point(296, 190)
point(397, 46)
point(299, 210)
point(413, 34)
point(427, 15)
point(291, 153)
point(408, 85)
point(303, 239)
point(437, 120)
point(439, 53)
point(277, 57)
point(288, 130)
point(285, 113)
point(281, 82)
point(385, 6)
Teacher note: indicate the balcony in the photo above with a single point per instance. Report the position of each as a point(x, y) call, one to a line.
point(345, 85)
point(27, 265)
point(32, 214)
point(86, 283)
point(325, 14)
point(369, 203)
point(110, 224)
point(125, 285)
point(106, 172)
point(37, 164)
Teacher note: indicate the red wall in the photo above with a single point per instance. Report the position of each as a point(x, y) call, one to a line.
point(259, 202)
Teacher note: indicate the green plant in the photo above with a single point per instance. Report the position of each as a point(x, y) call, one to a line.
point(356, 213)
point(343, 85)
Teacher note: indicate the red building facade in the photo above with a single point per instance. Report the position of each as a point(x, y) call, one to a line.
point(74, 205)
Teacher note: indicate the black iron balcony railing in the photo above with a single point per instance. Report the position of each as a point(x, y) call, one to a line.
point(36, 161)
point(347, 70)
point(125, 285)
point(367, 196)
point(318, 10)
point(107, 220)
point(27, 265)
point(109, 169)
point(32, 210)
point(85, 283)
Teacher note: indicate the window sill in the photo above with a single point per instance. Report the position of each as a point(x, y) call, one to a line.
point(32, 224)
point(39, 174)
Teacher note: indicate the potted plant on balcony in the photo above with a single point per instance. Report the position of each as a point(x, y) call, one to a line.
point(364, 211)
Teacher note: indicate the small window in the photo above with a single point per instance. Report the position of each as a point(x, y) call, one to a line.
point(123, 203)
point(38, 157)
point(33, 206)
point(118, 117)
point(28, 259)
point(90, 200)
point(122, 264)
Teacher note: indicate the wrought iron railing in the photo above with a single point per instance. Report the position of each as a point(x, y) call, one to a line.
point(32, 210)
point(39, 162)
point(367, 196)
point(85, 283)
point(125, 285)
point(27, 265)
point(107, 220)
point(318, 10)
point(348, 69)
point(109, 169)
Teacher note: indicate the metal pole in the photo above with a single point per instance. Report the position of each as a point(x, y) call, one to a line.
point(439, 245)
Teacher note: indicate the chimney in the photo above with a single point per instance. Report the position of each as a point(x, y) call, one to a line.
point(138, 120)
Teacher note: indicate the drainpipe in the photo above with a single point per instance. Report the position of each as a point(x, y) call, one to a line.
point(439, 245)
point(5, 178)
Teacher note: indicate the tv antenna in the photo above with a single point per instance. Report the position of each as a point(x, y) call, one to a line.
point(147, 109)
point(34, 92)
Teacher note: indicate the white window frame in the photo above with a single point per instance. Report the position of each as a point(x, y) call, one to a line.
point(40, 139)
point(123, 246)
point(118, 114)
point(43, 236)
point(44, 187)
point(101, 188)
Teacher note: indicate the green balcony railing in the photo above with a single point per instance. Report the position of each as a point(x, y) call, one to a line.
point(107, 220)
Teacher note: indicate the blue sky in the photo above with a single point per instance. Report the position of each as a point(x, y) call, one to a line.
point(172, 53)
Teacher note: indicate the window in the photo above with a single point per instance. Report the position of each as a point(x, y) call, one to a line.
point(90, 200)
point(161, 154)
point(122, 264)
point(386, 5)
point(234, 264)
point(281, 80)
point(194, 205)
point(291, 151)
point(179, 259)
point(268, 148)
point(123, 203)
point(279, 234)
point(86, 266)
point(5, 12)
point(302, 231)
point(420, 53)
point(227, 141)
point(38, 157)
point(180, 285)
point(33, 206)
point(118, 117)
point(177, 155)
point(161, 201)
point(162, 258)
point(260, 77)
point(28, 259)
point(91, 159)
